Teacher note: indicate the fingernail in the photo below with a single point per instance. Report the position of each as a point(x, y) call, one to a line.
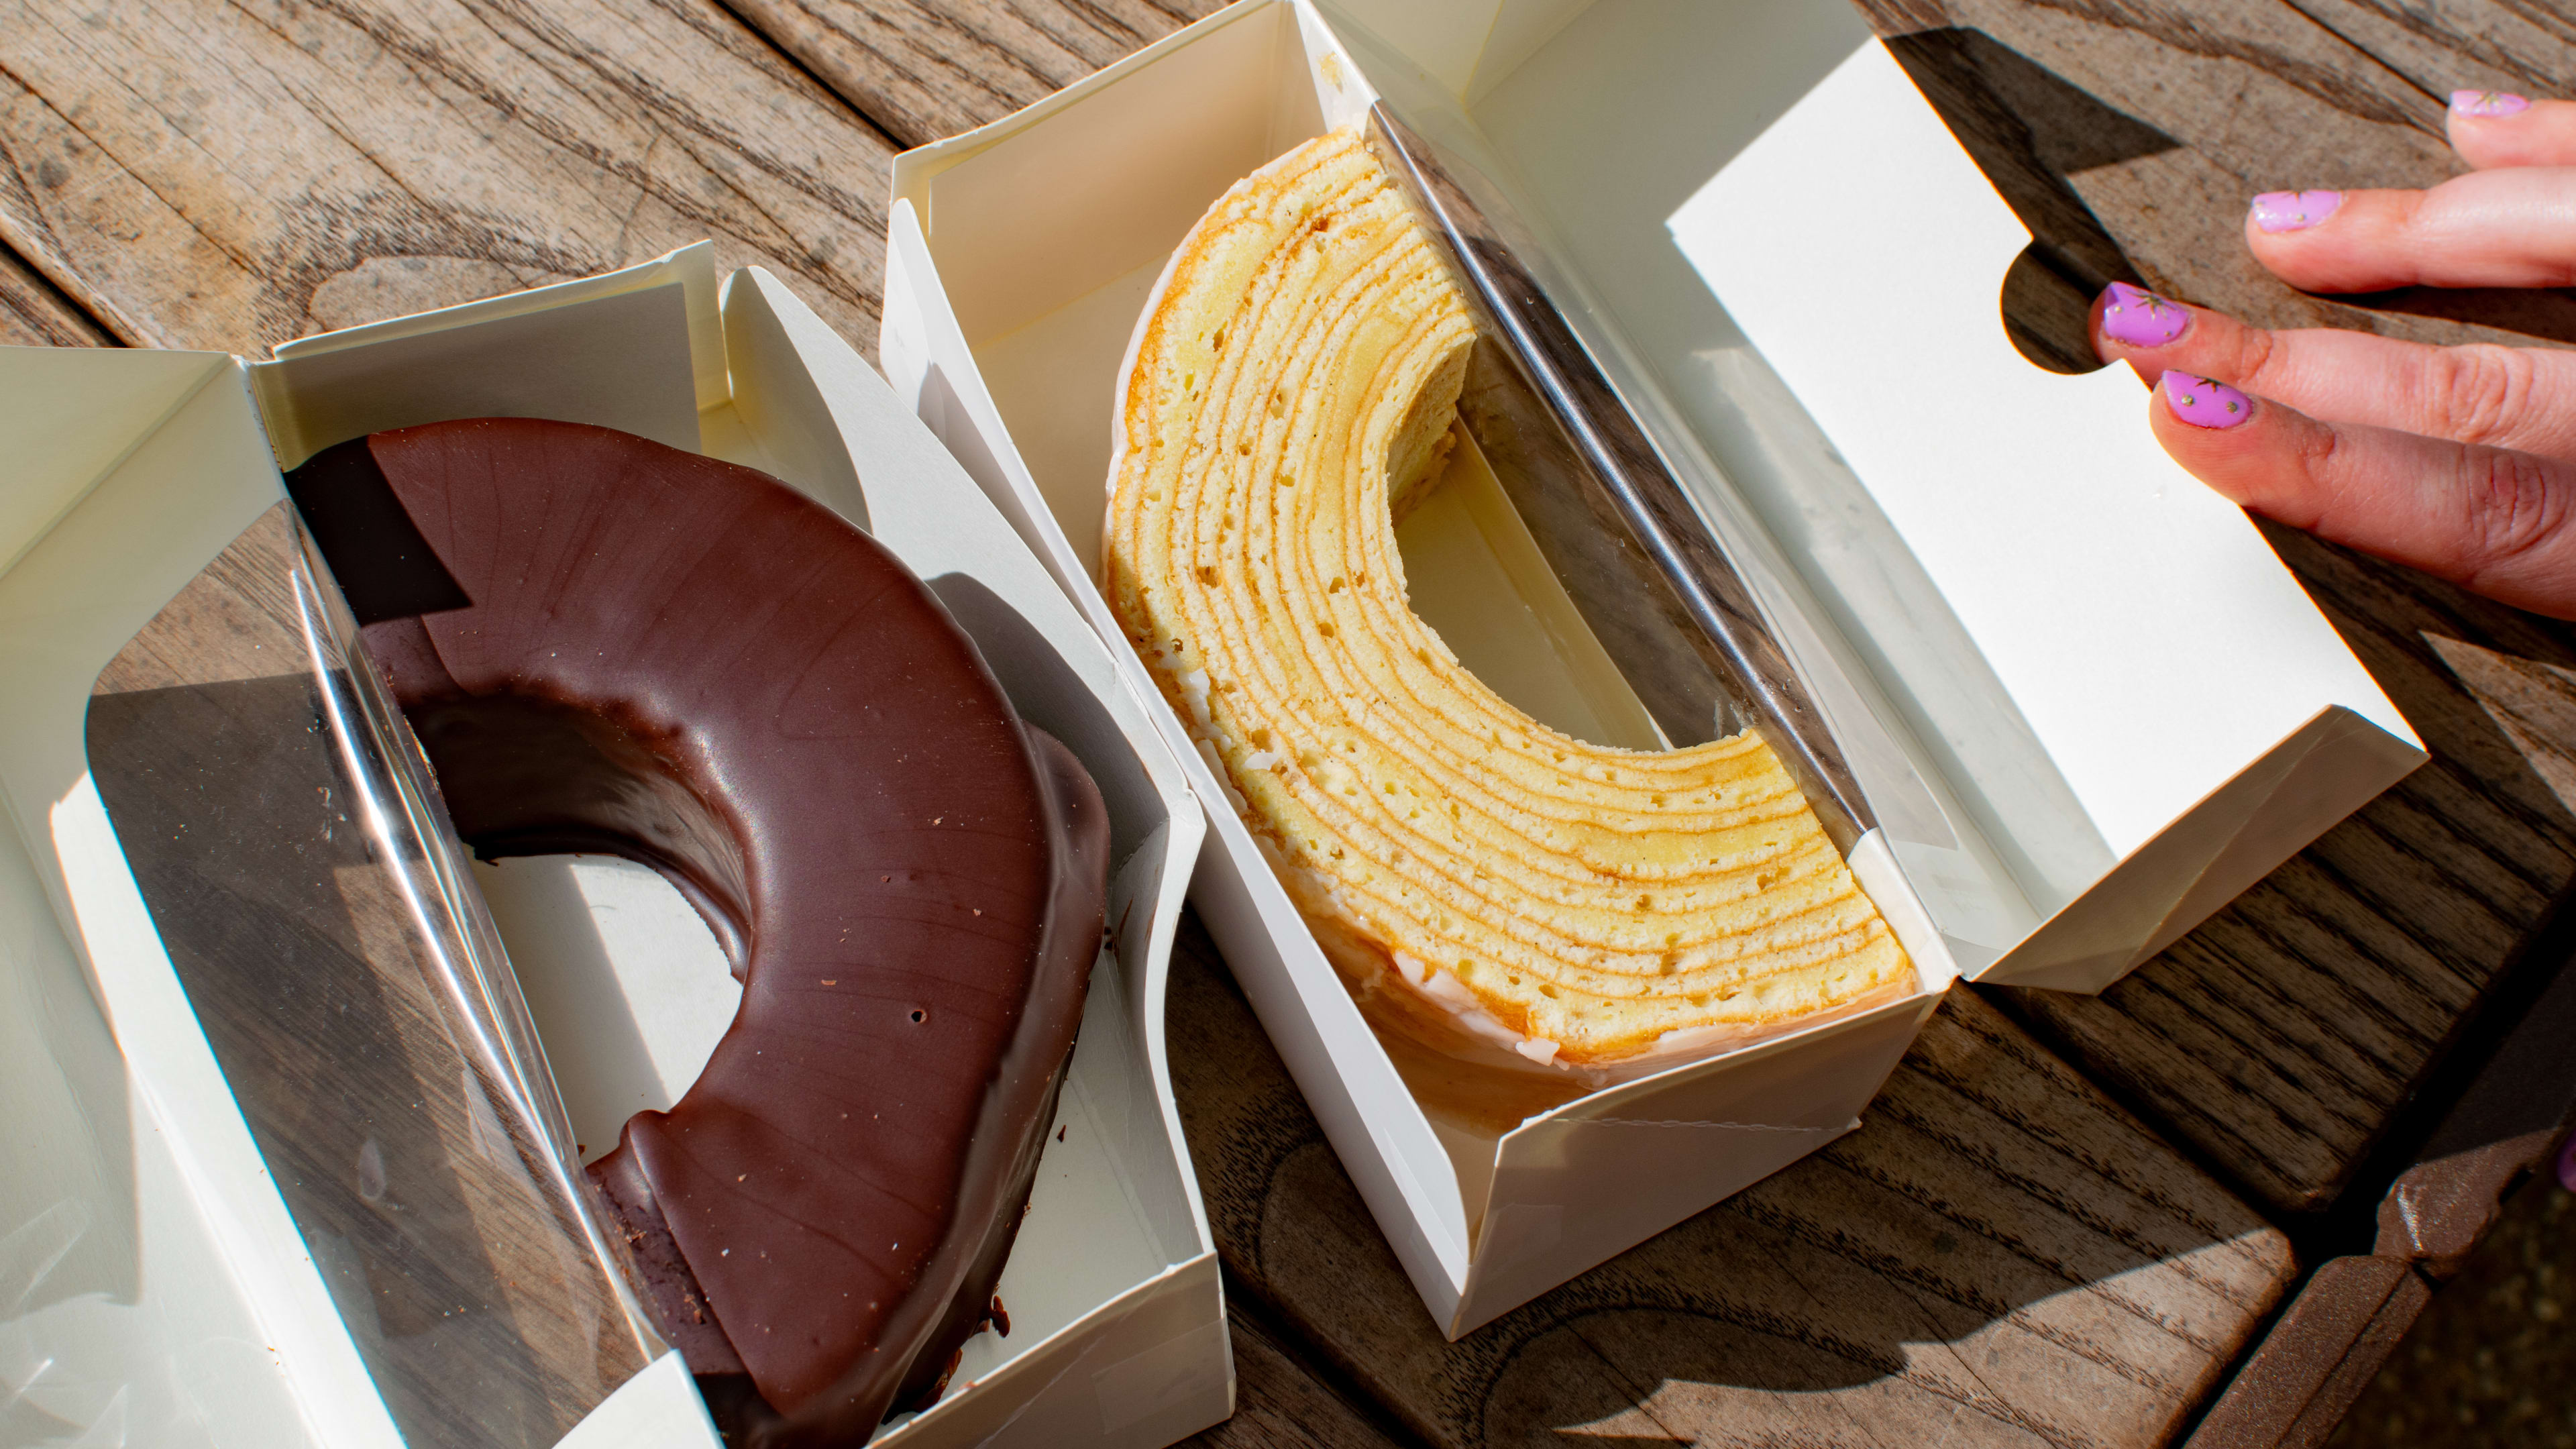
point(2293, 210)
point(2203, 403)
point(2140, 318)
point(2487, 103)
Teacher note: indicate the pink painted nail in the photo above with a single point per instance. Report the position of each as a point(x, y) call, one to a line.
point(2203, 403)
point(2294, 210)
point(2487, 103)
point(2140, 318)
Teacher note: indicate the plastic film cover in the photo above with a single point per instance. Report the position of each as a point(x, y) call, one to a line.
point(285, 834)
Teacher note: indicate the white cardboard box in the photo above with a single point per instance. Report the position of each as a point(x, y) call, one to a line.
point(171, 1300)
point(2084, 701)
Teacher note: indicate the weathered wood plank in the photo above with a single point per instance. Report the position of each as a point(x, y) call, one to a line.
point(2257, 97)
point(2001, 1256)
point(33, 314)
point(2281, 1037)
point(924, 69)
point(2445, 45)
point(1278, 1403)
point(231, 176)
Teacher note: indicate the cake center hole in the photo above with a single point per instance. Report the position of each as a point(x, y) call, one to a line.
point(628, 986)
point(1474, 573)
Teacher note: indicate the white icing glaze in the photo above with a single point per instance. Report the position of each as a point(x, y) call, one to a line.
point(1216, 767)
point(1194, 692)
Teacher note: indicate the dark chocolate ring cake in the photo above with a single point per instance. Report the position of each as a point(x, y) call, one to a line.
point(605, 644)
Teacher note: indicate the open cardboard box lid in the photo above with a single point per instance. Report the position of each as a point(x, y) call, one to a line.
point(161, 1275)
point(2084, 701)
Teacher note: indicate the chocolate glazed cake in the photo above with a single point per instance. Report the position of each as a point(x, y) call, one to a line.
point(605, 644)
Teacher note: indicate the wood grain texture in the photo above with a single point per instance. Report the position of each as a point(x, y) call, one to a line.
point(2281, 1038)
point(2000, 1257)
point(2250, 97)
point(924, 69)
point(2319, 1358)
point(2440, 46)
point(33, 314)
point(229, 176)
point(1279, 1403)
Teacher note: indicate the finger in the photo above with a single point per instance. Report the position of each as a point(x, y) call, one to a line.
point(2499, 522)
point(2514, 227)
point(2499, 128)
point(2505, 397)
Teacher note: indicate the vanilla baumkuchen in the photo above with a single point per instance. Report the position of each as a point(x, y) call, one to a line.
point(1480, 880)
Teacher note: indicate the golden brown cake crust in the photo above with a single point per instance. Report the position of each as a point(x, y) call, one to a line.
point(1480, 880)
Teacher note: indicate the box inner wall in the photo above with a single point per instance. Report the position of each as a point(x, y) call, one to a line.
point(630, 992)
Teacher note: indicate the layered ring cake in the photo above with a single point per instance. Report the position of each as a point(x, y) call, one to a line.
point(605, 644)
point(1487, 886)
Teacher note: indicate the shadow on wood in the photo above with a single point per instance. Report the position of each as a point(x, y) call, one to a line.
point(2547, 314)
point(2283, 1034)
point(2030, 130)
point(1998, 1252)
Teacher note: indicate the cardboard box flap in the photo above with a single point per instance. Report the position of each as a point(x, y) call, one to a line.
point(692, 268)
point(190, 472)
point(2227, 842)
point(2134, 622)
point(77, 414)
point(635, 357)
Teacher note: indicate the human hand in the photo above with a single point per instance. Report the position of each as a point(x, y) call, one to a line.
point(2460, 461)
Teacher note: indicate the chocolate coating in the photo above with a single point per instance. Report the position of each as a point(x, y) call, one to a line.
point(607, 644)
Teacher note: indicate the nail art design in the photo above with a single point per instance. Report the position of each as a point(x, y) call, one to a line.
point(2294, 210)
point(2487, 104)
point(2203, 403)
point(2140, 318)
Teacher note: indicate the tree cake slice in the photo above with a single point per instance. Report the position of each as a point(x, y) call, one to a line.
point(1488, 887)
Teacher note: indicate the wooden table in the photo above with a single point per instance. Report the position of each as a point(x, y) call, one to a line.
point(2068, 1218)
